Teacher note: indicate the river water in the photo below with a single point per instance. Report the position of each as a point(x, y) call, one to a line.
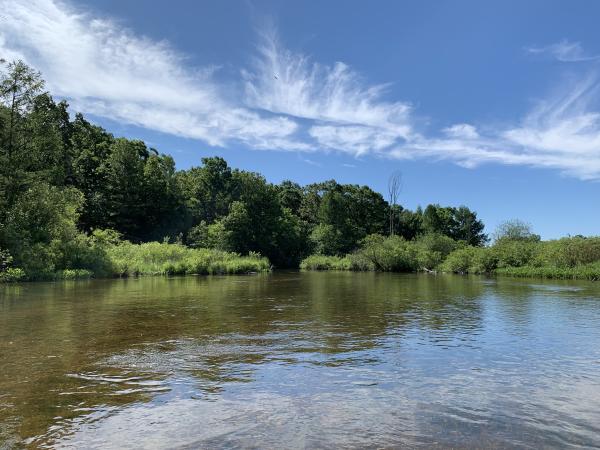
point(300, 360)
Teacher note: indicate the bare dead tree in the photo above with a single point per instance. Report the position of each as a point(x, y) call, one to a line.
point(394, 188)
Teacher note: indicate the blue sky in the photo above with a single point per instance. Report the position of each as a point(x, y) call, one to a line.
point(489, 104)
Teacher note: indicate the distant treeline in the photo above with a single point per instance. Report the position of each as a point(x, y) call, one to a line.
point(516, 251)
point(77, 201)
point(61, 179)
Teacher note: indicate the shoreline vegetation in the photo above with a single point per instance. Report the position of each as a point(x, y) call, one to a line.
point(526, 257)
point(78, 202)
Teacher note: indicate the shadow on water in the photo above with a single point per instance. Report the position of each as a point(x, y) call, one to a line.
point(309, 359)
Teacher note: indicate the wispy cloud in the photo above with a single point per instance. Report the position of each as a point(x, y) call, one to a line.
point(562, 132)
point(105, 69)
point(286, 100)
point(289, 83)
point(564, 51)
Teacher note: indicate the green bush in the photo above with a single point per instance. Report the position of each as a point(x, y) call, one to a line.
point(515, 253)
point(475, 260)
point(389, 254)
point(568, 252)
point(154, 258)
point(12, 275)
point(460, 260)
point(323, 262)
point(433, 249)
point(584, 272)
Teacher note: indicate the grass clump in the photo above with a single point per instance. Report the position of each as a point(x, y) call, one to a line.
point(567, 258)
point(154, 258)
point(323, 262)
point(582, 272)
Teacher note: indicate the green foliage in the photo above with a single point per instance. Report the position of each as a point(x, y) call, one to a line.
point(515, 230)
point(568, 252)
point(326, 239)
point(12, 275)
point(154, 258)
point(410, 224)
point(40, 228)
point(70, 193)
point(323, 262)
point(433, 248)
point(514, 253)
point(460, 224)
point(5, 260)
point(575, 257)
point(390, 254)
point(342, 215)
point(475, 260)
point(584, 272)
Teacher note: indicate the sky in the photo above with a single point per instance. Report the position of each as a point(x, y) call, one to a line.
point(494, 105)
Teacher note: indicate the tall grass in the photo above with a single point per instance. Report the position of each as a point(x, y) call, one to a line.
point(100, 258)
point(583, 272)
point(322, 262)
point(154, 258)
point(566, 258)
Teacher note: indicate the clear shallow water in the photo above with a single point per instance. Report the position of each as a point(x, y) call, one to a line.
point(300, 360)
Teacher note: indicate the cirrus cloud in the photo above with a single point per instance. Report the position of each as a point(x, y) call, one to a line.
point(286, 101)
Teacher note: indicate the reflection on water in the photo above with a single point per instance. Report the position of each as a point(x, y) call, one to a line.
point(299, 360)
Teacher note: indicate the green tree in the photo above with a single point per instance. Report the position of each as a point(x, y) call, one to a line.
point(40, 226)
point(91, 149)
point(125, 186)
point(515, 230)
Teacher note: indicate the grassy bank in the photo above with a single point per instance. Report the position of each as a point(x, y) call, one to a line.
point(101, 259)
point(566, 258)
point(323, 262)
point(587, 272)
point(155, 258)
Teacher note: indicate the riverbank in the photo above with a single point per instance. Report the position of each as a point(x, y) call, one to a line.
point(566, 258)
point(588, 272)
point(104, 255)
point(124, 259)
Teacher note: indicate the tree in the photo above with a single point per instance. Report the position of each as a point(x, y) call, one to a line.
point(125, 187)
point(40, 225)
point(460, 224)
point(515, 230)
point(467, 227)
point(290, 196)
point(410, 224)
point(394, 188)
point(91, 148)
point(163, 202)
point(19, 87)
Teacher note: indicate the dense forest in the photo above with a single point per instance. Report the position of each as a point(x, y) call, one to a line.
point(77, 200)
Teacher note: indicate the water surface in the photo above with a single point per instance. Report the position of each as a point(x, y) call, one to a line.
point(300, 360)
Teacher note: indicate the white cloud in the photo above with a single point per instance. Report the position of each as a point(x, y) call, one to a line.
point(461, 130)
point(289, 83)
point(564, 51)
point(104, 69)
point(356, 140)
point(287, 101)
point(562, 132)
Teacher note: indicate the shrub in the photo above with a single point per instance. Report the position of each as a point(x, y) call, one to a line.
point(12, 275)
point(433, 248)
point(460, 260)
point(154, 258)
point(515, 253)
point(323, 262)
point(569, 252)
point(389, 254)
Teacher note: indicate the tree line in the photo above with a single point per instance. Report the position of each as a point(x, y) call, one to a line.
point(62, 178)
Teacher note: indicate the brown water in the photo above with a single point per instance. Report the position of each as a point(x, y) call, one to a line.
point(300, 360)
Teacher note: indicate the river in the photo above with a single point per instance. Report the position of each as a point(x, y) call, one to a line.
point(300, 360)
